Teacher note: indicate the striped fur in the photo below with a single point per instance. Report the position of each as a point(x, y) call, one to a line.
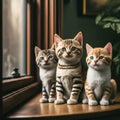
point(47, 62)
point(69, 81)
point(99, 87)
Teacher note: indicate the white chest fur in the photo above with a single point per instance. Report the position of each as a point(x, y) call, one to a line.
point(98, 78)
point(46, 74)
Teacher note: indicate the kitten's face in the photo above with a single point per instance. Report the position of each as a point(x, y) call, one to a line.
point(69, 49)
point(45, 58)
point(99, 58)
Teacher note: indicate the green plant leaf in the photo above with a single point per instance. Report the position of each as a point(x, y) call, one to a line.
point(113, 26)
point(107, 25)
point(99, 18)
point(118, 28)
point(117, 59)
point(117, 9)
point(111, 19)
point(118, 69)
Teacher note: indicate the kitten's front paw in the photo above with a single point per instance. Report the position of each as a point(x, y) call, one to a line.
point(104, 102)
point(43, 100)
point(92, 102)
point(85, 101)
point(72, 101)
point(59, 101)
point(51, 100)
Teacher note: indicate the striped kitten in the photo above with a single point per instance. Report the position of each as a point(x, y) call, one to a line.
point(69, 71)
point(99, 87)
point(47, 62)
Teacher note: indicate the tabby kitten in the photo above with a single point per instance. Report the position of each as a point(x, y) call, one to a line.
point(99, 87)
point(69, 81)
point(47, 62)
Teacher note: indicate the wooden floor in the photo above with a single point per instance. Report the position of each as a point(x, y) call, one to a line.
point(35, 110)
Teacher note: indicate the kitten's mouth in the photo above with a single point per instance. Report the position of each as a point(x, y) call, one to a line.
point(46, 64)
point(68, 56)
point(95, 65)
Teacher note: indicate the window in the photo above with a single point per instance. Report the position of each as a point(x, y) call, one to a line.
point(31, 23)
point(18, 38)
point(14, 37)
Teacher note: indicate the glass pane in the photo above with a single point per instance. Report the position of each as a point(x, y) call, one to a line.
point(14, 36)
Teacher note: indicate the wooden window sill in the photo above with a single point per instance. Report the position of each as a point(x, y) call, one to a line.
point(16, 83)
point(13, 99)
point(34, 109)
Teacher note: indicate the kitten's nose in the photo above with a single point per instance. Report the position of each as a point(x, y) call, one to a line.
point(46, 59)
point(68, 52)
point(95, 61)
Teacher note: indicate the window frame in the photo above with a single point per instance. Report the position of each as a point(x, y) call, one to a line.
point(26, 87)
point(1, 112)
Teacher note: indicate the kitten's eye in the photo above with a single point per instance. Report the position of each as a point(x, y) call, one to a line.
point(101, 57)
point(91, 57)
point(63, 49)
point(73, 48)
point(41, 58)
point(50, 56)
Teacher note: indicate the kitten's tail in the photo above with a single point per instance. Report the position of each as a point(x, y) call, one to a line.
point(114, 86)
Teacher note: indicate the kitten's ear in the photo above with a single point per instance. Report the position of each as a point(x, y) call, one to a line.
point(53, 46)
point(108, 47)
point(79, 38)
point(88, 48)
point(57, 39)
point(37, 50)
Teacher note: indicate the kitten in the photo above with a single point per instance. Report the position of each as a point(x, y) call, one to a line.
point(99, 87)
point(47, 62)
point(69, 81)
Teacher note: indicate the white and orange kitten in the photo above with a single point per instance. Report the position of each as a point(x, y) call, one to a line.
point(47, 62)
point(99, 87)
point(69, 82)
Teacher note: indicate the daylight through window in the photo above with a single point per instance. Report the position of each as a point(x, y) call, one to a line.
point(14, 36)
